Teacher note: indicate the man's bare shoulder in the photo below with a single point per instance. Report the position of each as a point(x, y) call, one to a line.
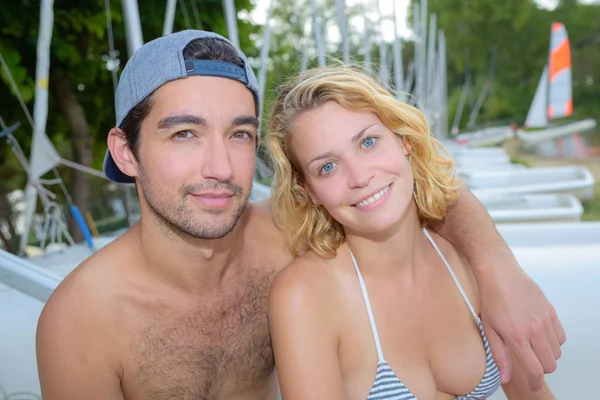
point(88, 293)
point(260, 213)
point(263, 236)
point(79, 341)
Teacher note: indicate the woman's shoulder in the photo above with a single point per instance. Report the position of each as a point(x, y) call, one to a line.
point(308, 273)
point(309, 282)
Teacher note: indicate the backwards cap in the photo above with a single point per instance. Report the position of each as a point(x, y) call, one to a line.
point(160, 61)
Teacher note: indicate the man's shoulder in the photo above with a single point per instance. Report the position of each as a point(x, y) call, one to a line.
point(79, 339)
point(88, 293)
point(260, 210)
point(262, 233)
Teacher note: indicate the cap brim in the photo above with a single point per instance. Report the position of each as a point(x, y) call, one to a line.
point(112, 171)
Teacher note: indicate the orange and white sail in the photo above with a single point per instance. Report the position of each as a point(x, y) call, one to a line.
point(554, 95)
point(560, 93)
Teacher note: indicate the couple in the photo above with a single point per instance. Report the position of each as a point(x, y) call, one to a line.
point(391, 261)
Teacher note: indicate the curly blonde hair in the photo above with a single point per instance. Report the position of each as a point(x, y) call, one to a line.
point(310, 227)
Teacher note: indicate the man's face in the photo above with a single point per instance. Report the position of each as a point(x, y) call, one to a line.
point(197, 154)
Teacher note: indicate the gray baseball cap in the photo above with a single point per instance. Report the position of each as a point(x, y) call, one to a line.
point(160, 61)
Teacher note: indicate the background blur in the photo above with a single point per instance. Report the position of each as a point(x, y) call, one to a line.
point(499, 44)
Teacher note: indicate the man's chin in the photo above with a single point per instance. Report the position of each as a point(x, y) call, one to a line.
point(218, 225)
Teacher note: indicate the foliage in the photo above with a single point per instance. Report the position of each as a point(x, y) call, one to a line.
point(591, 209)
point(520, 29)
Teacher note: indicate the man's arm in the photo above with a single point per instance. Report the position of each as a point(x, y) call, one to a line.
point(516, 314)
point(74, 360)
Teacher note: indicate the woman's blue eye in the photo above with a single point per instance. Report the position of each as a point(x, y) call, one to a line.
point(369, 142)
point(327, 167)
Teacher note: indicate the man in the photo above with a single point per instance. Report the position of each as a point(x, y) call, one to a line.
point(176, 307)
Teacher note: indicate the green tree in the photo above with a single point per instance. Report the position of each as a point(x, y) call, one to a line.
point(521, 31)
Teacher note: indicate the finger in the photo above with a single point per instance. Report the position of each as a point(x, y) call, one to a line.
point(552, 340)
point(532, 367)
point(543, 350)
point(559, 331)
point(499, 353)
point(529, 362)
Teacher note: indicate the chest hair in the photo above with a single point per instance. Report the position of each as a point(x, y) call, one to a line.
point(222, 343)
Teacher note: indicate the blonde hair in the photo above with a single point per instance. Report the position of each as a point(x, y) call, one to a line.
point(310, 227)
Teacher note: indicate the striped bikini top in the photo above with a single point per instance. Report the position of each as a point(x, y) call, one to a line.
point(388, 386)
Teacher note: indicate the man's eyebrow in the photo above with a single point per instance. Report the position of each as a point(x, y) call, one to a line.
point(174, 120)
point(245, 120)
point(357, 137)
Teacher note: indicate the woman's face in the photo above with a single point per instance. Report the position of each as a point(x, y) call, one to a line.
point(354, 166)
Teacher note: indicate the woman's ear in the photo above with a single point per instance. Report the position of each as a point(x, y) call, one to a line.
point(311, 193)
point(121, 153)
point(406, 147)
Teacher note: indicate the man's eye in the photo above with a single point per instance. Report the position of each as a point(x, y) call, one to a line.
point(182, 135)
point(242, 135)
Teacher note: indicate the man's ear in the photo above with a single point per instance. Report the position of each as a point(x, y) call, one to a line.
point(121, 153)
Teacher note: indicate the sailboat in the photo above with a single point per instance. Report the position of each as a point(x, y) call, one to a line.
point(553, 97)
point(552, 101)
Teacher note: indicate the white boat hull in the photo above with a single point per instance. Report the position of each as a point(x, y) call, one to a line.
point(485, 137)
point(533, 208)
point(465, 170)
point(532, 138)
point(576, 180)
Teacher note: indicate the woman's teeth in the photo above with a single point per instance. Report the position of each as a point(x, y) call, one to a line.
point(373, 198)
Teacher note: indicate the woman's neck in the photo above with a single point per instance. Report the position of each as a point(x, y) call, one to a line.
point(389, 252)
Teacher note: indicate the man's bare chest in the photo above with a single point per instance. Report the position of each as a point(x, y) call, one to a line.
point(201, 351)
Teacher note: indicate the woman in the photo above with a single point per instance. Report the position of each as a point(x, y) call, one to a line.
point(375, 306)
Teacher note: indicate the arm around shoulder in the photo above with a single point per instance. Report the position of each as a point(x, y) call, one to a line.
point(73, 359)
point(303, 333)
point(469, 227)
point(516, 314)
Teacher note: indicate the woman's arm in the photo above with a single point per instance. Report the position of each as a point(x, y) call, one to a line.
point(304, 340)
point(518, 387)
point(516, 314)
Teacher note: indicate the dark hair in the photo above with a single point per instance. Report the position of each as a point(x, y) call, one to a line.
point(199, 49)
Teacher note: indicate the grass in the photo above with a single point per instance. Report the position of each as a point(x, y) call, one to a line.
point(521, 160)
point(591, 209)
